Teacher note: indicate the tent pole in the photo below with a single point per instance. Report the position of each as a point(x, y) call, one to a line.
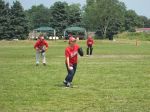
point(54, 33)
point(64, 34)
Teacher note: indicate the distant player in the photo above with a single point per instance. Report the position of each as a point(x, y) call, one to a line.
point(71, 54)
point(90, 43)
point(41, 47)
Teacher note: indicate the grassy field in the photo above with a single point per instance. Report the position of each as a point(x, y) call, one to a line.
point(115, 79)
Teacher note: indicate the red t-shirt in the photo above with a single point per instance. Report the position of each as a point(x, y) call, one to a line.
point(40, 44)
point(90, 41)
point(72, 53)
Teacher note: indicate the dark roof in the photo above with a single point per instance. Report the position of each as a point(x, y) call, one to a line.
point(44, 29)
point(80, 29)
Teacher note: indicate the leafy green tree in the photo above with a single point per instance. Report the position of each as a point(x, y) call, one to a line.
point(148, 24)
point(19, 23)
point(106, 16)
point(59, 18)
point(145, 21)
point(4, 20)
point(74, 15)
point(90, 2)
point(132, 20)
point(38, 16)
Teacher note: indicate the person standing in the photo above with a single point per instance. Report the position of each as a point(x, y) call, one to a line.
point(89, 43)
point(71, 54)
point(41, 47)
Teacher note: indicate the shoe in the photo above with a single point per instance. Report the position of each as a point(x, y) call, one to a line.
point(65, 82)
point(44, 64)
point(68, 84)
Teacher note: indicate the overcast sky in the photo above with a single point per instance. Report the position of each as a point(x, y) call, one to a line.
point(141, 7)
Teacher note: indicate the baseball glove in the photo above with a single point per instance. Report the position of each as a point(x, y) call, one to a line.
point(80, 51)
point(43, 50)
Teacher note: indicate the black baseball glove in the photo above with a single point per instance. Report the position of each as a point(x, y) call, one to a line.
point(43, 50)
point(80, 51)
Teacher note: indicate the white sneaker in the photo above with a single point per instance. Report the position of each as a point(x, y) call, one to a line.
point(65, 82)
point(68, 84)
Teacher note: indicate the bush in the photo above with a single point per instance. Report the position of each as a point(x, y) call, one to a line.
point(134, 35)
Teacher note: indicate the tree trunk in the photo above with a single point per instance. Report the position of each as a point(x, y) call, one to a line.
point(105, 29)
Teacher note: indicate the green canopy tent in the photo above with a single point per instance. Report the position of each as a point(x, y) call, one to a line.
point(46, 30)
point(75, 31)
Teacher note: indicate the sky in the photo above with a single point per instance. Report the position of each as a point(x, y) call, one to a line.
point(141, 7)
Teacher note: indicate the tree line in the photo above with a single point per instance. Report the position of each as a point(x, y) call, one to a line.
point(13, 21)
point(105, 17)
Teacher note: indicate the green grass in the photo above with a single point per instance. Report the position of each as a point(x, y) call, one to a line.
point(115, 79)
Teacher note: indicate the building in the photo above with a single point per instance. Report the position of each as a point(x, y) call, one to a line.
point(147, 30)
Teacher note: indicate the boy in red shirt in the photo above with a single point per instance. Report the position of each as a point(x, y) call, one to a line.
point(41, 46)
point(71, 54)
point(90, 43)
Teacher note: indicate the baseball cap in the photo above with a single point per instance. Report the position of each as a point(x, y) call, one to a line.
point(72, 39)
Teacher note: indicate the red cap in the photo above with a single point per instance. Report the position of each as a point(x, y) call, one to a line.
point(72, 39)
